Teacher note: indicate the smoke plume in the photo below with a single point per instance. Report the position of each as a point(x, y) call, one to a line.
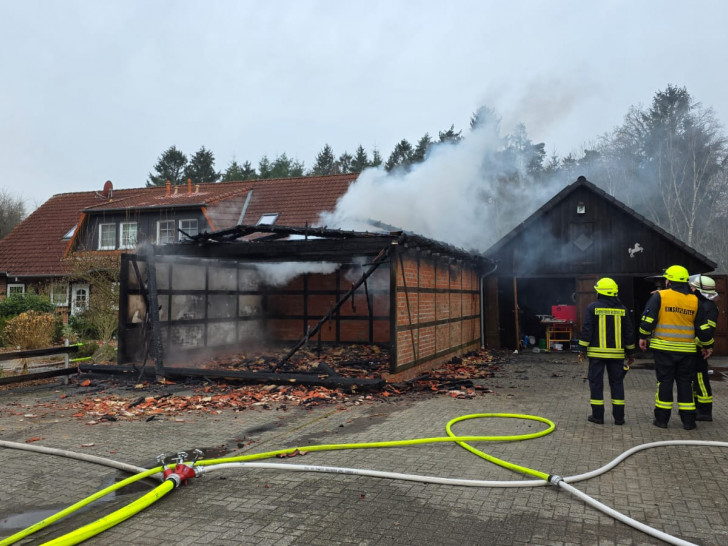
point(468, 193)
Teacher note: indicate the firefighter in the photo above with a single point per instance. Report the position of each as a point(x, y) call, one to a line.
point(671, 319)
point(704, 288)
point(607, 337)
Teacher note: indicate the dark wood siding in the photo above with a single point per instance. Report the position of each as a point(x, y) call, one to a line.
point(146, 224)
point(565, 242)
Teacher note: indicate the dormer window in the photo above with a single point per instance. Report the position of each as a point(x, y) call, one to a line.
point(128, 237)
point(107, 236)
point(268, 219)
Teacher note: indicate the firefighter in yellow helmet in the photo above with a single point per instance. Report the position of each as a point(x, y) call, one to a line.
point(671, 321)
point(607, 337)
point(704, 288)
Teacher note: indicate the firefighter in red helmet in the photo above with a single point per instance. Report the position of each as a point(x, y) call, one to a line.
point(704, 287)
point(671, 321)
point(607, 337)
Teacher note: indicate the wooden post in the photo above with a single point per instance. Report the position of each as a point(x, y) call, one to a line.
point(515, 309)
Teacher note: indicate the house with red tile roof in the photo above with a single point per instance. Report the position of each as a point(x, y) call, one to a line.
point(37, 254)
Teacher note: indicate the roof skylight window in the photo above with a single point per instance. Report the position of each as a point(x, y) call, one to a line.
point(268, 219)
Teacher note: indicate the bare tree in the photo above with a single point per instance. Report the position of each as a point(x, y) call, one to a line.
point(12, 212)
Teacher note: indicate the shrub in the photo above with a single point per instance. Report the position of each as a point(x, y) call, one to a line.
point(82, 326)
point(31, 330)
point(14, 305)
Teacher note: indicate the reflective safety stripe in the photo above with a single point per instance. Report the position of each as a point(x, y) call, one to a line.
point(704, 343)
point(686, 406)
point(647, 319)
point(604, 352)
point(583, 343)
point(667, 330)
point(675, 346)
point(617, 402)
point(596, 402)
point(711, 323)
point(644, 332)
point(659, 403)
point(702, 394)
point(630, 346)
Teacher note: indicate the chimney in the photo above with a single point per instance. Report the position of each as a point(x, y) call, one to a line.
point(176, 189)
point(189, 185)
point(169, 188)
point(197, 188)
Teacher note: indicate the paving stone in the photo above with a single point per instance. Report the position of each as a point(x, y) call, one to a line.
point(681, 490)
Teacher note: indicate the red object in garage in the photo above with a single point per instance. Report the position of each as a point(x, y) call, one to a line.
point(564, 312)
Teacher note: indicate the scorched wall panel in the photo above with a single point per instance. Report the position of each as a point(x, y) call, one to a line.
point(437, 310)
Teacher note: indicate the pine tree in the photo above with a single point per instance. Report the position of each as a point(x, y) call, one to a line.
point(170, 166)
point(264, 167)
point(236, 172)
point(344, 163)
point(360, 160)
point(325, 162)
point(376, 158)
point(400, 157)
point(418, 156)
point(201, 168)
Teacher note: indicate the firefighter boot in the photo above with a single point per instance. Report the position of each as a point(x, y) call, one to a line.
point(618, 414)
point(597, 414)
point(688, 420)
point(662, 417)
point(704, 412)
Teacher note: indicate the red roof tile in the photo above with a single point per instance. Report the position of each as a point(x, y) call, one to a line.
point(36, 246)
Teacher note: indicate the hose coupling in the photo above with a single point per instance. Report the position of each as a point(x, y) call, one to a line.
point(175, 478)
point(554, 479)
point(197, 454)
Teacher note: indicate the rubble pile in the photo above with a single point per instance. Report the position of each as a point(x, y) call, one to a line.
point(464, 377)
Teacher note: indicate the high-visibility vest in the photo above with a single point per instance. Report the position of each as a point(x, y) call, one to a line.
point(675, 329)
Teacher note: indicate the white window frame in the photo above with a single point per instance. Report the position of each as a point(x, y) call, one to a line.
point(104, 228)
point(167, 226)
point(13, 288)
point(127, 239)
point(58, 289)
point(187, 224)
point(75, 289)
point(268, 219)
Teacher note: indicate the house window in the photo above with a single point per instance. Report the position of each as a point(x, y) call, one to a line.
point(107, 236)
point(268, 219)
point(128, 235)
point(165, 232)
point(16, 289)
point(79, 298)
point(189, 227)
point(59, 294)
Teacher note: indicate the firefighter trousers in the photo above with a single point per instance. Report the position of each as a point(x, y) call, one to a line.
point(674, 368)
point(701, 386)
point(615, 375)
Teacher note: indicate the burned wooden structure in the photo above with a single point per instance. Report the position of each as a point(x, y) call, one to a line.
point(252, 286)
point(552, 260)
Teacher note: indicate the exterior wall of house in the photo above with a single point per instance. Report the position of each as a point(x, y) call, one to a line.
point(437, 310)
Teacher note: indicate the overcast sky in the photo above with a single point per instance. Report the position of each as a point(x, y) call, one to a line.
point(96, 90)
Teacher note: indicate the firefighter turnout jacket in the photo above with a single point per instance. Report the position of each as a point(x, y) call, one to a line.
point(710, 320)
point(608, 330)
point(674, 319)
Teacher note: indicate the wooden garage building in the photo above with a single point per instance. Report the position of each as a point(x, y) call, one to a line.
point(548, 265)
point(418, 297)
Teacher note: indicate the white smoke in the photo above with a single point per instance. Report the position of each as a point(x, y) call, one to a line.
point(278, 274)
point(457, 195)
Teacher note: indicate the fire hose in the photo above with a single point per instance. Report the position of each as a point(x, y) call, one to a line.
point(174, 476)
